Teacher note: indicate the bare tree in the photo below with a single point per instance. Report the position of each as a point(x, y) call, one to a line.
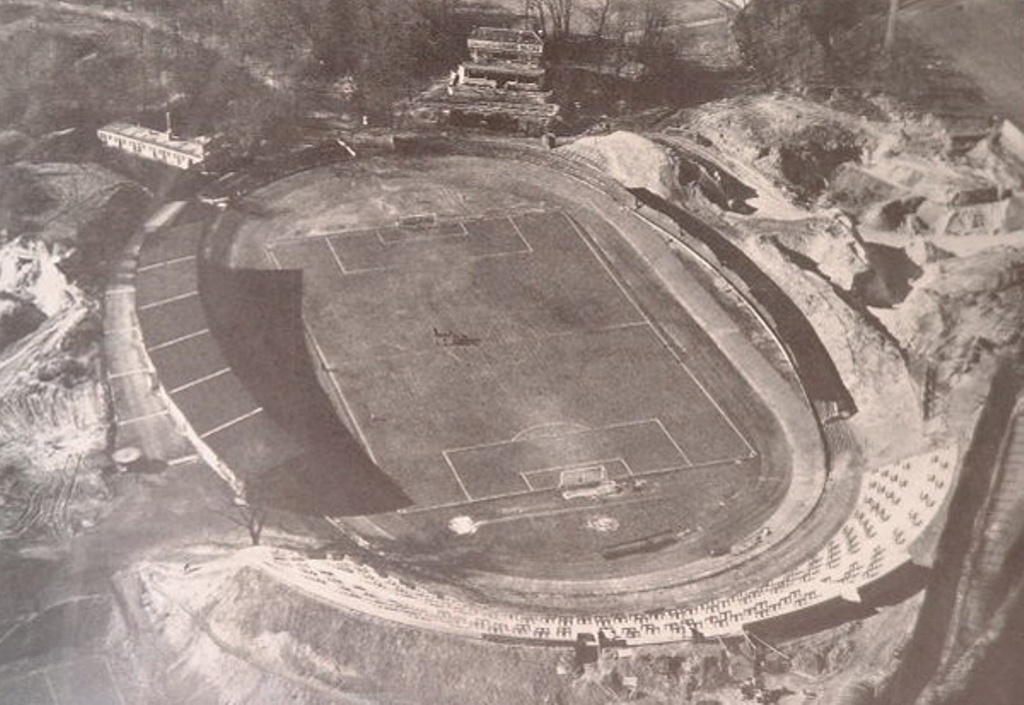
point(642, 21)
point(555, 16)
point(252, 518)
point(651, 22)
point(600, 13)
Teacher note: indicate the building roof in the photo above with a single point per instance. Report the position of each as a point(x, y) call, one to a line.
point(505, 69)
point(509, 36)
point(191, 147)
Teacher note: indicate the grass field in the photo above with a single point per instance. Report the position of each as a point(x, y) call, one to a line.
point(479, 358)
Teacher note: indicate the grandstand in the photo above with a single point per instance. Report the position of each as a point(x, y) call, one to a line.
point(869, 545)
point(503, 84)
point(262, 420)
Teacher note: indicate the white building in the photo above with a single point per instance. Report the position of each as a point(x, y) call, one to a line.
point(154, 145)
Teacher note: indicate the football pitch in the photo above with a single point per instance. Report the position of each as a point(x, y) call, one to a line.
point(483, 358)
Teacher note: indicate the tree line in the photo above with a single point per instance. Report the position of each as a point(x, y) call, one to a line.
point(386, 44)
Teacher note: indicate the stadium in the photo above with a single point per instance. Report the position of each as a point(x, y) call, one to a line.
point(529, 390)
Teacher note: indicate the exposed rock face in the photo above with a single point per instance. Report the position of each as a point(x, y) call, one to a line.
point(962, 309)
point(28, 272)
point(18, 318)
point(833, 245)
point(869, 362)
point(796, 143)
point(921, 252)
point(898, 192)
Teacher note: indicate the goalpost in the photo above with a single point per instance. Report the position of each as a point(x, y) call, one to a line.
point(582, 477)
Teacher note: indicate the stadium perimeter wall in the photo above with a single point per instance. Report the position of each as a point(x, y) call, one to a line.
point(374, 593)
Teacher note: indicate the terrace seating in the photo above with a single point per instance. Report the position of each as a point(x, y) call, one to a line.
point(248, 430)
point(896, 503)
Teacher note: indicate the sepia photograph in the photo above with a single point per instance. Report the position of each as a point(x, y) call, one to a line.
point(511, 352)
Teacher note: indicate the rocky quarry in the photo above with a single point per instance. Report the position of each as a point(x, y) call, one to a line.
point(61, 222)
point(887, 207)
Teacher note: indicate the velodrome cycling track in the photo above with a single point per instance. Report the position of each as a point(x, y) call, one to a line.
point(894, 506)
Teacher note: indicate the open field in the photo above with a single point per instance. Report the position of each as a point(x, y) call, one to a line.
point(492, 339)
point(476, 355)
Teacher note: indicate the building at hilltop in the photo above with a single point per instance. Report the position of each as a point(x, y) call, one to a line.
point(503, 58)
point(154, 145)
point(501, 86)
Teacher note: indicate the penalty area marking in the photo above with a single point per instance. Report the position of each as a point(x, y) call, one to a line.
point(525, 249)
point(334, 254)
point(448, 454)
point(575, 432)
point(455, 473)
point(521, 493)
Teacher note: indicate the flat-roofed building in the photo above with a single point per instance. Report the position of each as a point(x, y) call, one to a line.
point(501, 86)
point(503, 57)
point(154, 145)
point(489, 45)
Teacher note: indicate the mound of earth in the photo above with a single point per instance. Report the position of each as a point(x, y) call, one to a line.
point(229, 628)
point(634, 161)
point(961, 311)
point(796, 143)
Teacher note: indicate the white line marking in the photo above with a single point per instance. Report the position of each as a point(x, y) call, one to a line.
point(629, 470)
point(519, 234)
point(673, 441)
point(578, 427)
point(554, 512)
point(144, 417)
point(11, 630)
point(521, 493)
point(657, 331)
point(49, 686)
point(272, 257)
point(472, 258)
point(420, 238)
point(334, 254)
point(614, 426)
point(120, 331)
point(180, 339)
point(575, 466)
point(166, 263)
point(200, 380)
point(457, 478)
point(131, 373)
point(505, 253)
point(120, 290)
point(113, 681)
point(184, 460)
point(376, 527)
point(172, 299)
point(322, 359)
point(231, 423)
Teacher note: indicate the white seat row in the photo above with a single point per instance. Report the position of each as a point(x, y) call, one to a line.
point(896, 503)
